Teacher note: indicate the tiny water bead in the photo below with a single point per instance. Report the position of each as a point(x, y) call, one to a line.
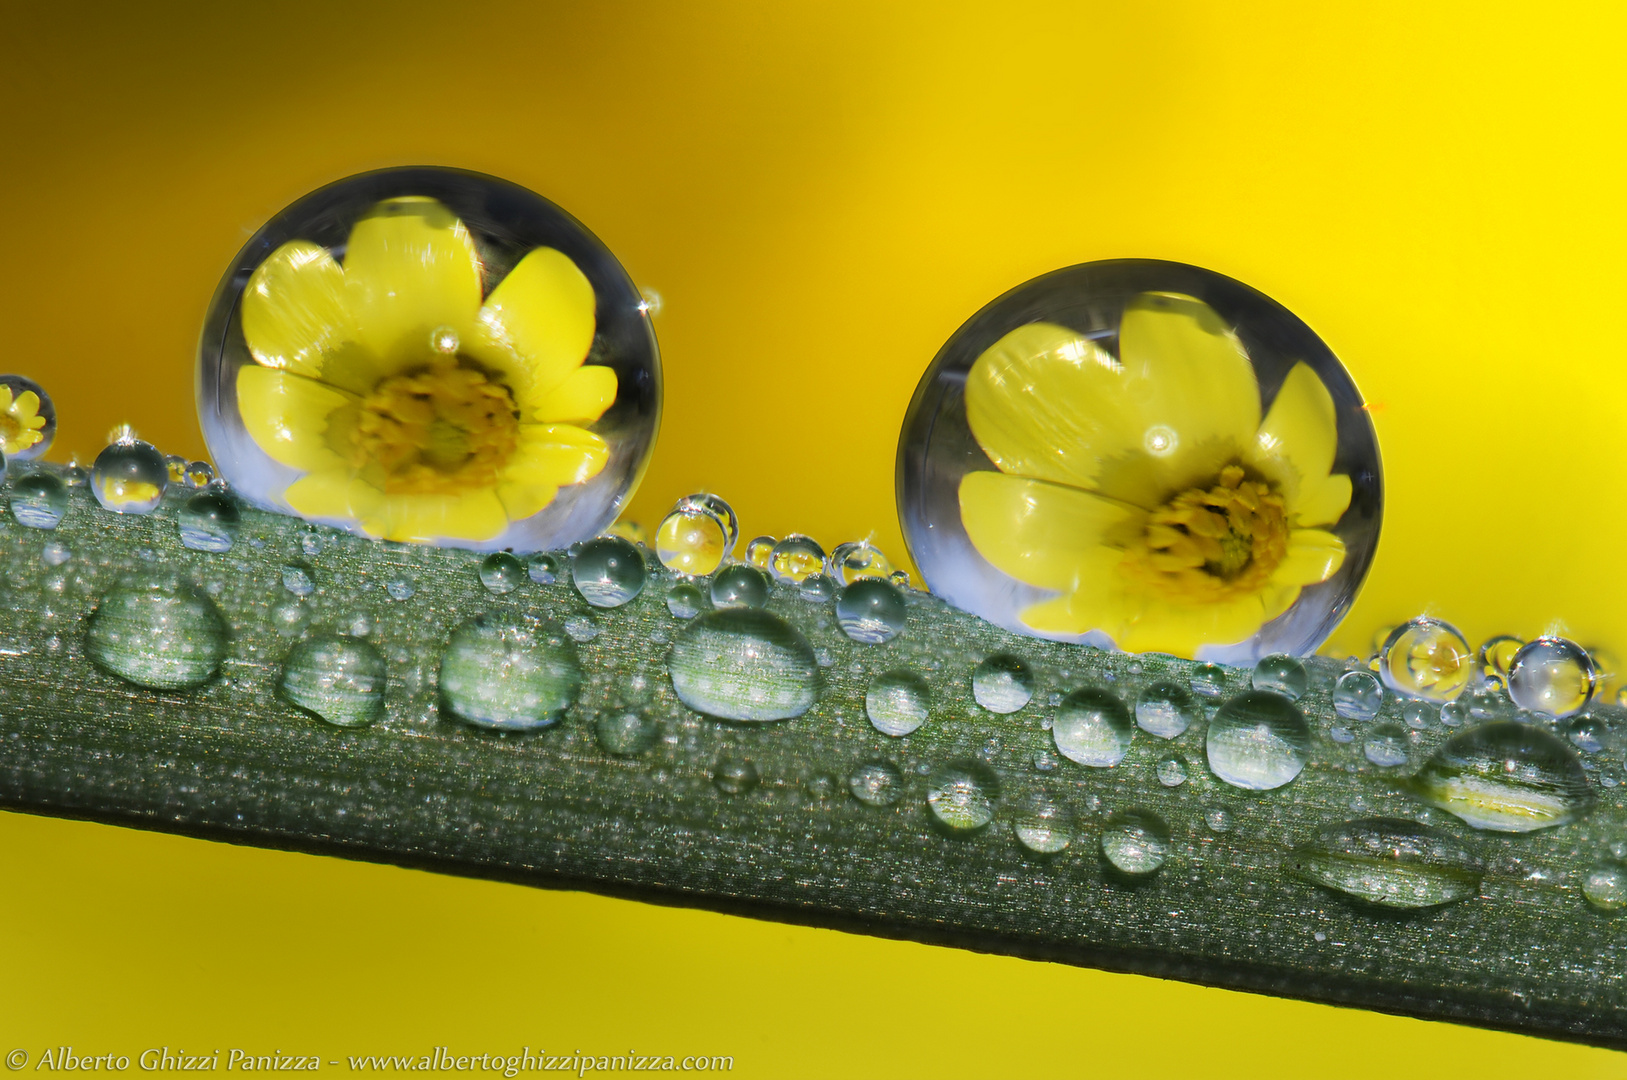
point(794, 558)
point(176, 464)
point(760, 552)
point(627, 733)
point(1417, 713)
point(1497, 655)
point(1135, 843)
point(691, 540)
point(898, 702)
point(1218, 818)
point(1166, 709)
point(400, 589)
point(508, 674)
point(1552, 676)
point(159, 635)
point(502, 573)
point(1093, 727)
point(962, 795)
point(1389, 862)
point(1386, 746)
point(208, 522)
point(1209, 681)
point(199, 474)
point(1258, 741)
point(39, 501)
point(1357, 695)
point(608, 571)
point(739, 586)
point(1605, 887)
point(582, 628)
point(1426, 658)
point(543, 568)
point(817, 589)
point(1002, 683)
point(1283, 675)
point(1040, 825)
point(876, 783)
point(298, 579)
point(311, 544)
point(339, 679)
point(734, 775)
point(27, 419)
point(1172, 771)
point(685, 601)
point(855, 560)
point(129, 477)
point(744, 664)
point(870, 611)
point(1587, 734)
point(55, 553)
point(1505, 776)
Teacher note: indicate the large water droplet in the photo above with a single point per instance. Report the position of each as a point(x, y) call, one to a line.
point(871, 611)
point(1002, 683)
point(744, 664)
point(734, 776)
point(39, 501)
point(340, 679)
point(1283, 675)
point(794, 558)
point(739, 586)
point(161, 636)
point(608, 571)
point(898, 702)
point(1135, 843)
point(1093, 727)
point(1386, 745)
point(1426, 658)
point(208, 522)
point(962, 796)
point(129, 477)
point(1166, 709)
point(855, 560)
point(1357, 695)
point(1389, 862)
point(1605, 887)
point(1040, 825)
point(1258, 741)
point(691, 540)
point(502, 573)
point(1553, 676)
point(508, 674)
point(626, 734)
point(32, 419)
point(1505, 776)
point(876, 783)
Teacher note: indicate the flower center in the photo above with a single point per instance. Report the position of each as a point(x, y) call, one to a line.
point(441, 429)
point(1212, 544)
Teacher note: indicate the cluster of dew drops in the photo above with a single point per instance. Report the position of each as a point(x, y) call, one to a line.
point(1520, 705)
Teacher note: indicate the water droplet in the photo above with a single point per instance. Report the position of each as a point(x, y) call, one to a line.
point(502, 573)
point(626, 734)
point(1040, 825)
point(739, 586)
point(1218, 818)
point(900, 578)
point(876, 783)
point(1605, 887)
point(1553, 676)
point(711, 504)
point(1587, 734)
point(1002, 683)
point(794, 558)
point(1389, 862)
point(962, 796)
point(870, 611)
point(734, 776)
point(1357, 696)
point(24, 412)
point(1341, 734)
point(55, 553)
point(311, 544)
point(1209, 680)
point(608, 572)
point(898, 702)
point(39, 501)
point(760, 551)
point(176, 466)
point(543, 568)
point(744, 664)
point(1283, 675)
point(1166, 709)
point(199, 474)
point(1135, 842)
point(1497, 654)
point(165, 637)
point(129, 477)
point(1505, 776)
point(817, 589)
point(208, 522)
point(298, 579)
point(1258, 741)
point(508, 674)
point(685, 601)
point(582, 628)
point(1426, 658)
point(1386, 745)
point(1454, 713)
point(340, 679)
point(1093, 727)
point(399, 589)
point(1172, 771)
point(691, 540)
point(855, 560)
point(1417, 714)
point(290, 618)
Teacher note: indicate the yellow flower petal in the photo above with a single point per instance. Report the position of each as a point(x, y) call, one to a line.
point(1295, 445)
point(581, 398)
point(1044, 534)
point(1182, 631)
point(544, 312)
point(320, 495)
point(288, 417)
point(557, 455)
point(1324, 503)
point(410, 268)
point(520, 501)
point(1079, 613)
point(1279, 599)
point(295, 309)
point(473, 516)
point(1313, 555)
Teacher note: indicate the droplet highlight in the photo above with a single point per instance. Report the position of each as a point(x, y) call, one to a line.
point(338, 679)
point(744, 664)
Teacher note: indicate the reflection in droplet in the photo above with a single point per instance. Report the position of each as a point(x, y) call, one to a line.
point(1357, 696)
point(1552, 676)
point(871, 611)
point(543, 568)
point(817, 589)
point(129, 477)
point(608, 571)
point(1587, 734)
point(39, 501)
point(1040, 824)
point(1605, 887)
point(876, 783)
point(691, 540)
point(857, 559)
point(744, 664)
point(501, 573)
point(1505, 776)
point(962, 796)
point(685, 601)
point(1218, 818)
point(1209, 680)
point(161, 636)
point(1497, 655)
point(1172, 771)
point(1002, 683)
point(339, 679)
point(1166, 709)
point(1093, 727)
point(739, 586)
point(27, 418)
point(1426, 658)
point(1386, 745)
point(208, 522)
point(1135, 842)
point(508, 674)
point(298, 579)
point(625, 734)
point(1258, 741)
point(706, 502)
point(1389, 862)
point(1283, 675)
point(734, 775)
point(898, 702)
point(759, 551)
point(794, 558)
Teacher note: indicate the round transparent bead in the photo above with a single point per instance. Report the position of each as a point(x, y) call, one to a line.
point(1426, 658)
point(1552, 676)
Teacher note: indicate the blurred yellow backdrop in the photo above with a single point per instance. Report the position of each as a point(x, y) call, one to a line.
point(821, 194)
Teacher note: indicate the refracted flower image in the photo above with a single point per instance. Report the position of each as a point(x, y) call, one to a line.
point(1136, 465)
point(474, 378)
point(27, 419)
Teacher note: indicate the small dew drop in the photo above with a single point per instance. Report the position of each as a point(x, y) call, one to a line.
point(1172, 771)
point(39, 501)
point(1426, 658)
point(1552, 676)
point(876, 783)
point(208, 522)
point(898, 702)
point(794, 558)
point(1258, 741)
point(297, 579)
point(608, 572)
point(543, 568)
point(338, 679)
point(400, 589)
point(1135, 843)
point(1605, 887)
point(734, 776)
point(626, 734)
point(870, 611)
point(685, 601)
point(1166, 709)
point(1357, 696)
point(1283, 675)
point(129, 477)
point(501, 573)
point(961, 796)
point(739, 586)
point(1040, 825)
point(1386, 746)
point(1093, 727)
point(1002, 683)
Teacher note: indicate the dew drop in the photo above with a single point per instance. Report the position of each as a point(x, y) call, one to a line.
point(855, 560)
point(734, 776)
point(129, 477)
point(1426, 658)
point(794, 558)
point(626, 734)
point(1209, 680)
point(582, 628)
point(744, 664)
point(1505, 776)
point(962, 796)
point(340, 679)
point(1357, 695)
point(1258, 741)
point(870, 611)
point(1605, 887)
point(1040, 825)
point(608, 571)
point(691, 540)
point(400, 589)
point(1389, 862)
point(685, 601)
point(1386, 745)
point(199, 474)
point(1341, 734)
point(1497, 655)
point(1454, 713)
point(160, 636)
point(1417, 714)
point(23, 411)
point(1172, 771)
point(297, 579)
point(1093, 727)
point(876, 783)
point(39, 501)
point(543, 568)
point(502, 573)
point(1166, 709)
point(1135, 843)
point(706, 502)
point(1002, 683)
point(508, 674)
point(739, 586)
point(311, 544)
point(208, 522)
point(1587, 734)
point(175, 465)
point(817, 589)
point(760, 552)
point(1283, 675)
point(55, 553)
point(1552, 676)
point(898, 702)
point(1218, 818)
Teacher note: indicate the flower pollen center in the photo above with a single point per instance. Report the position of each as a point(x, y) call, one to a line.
point(1211, 544)
point(441, 429)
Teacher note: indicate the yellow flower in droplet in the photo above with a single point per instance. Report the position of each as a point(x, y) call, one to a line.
point(20, 420)
point(414, 409)
point(1145, 489)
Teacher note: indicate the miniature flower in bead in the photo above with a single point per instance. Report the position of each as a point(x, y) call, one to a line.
point(20, 420)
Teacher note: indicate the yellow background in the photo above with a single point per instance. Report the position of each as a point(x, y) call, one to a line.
point(822, 193)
